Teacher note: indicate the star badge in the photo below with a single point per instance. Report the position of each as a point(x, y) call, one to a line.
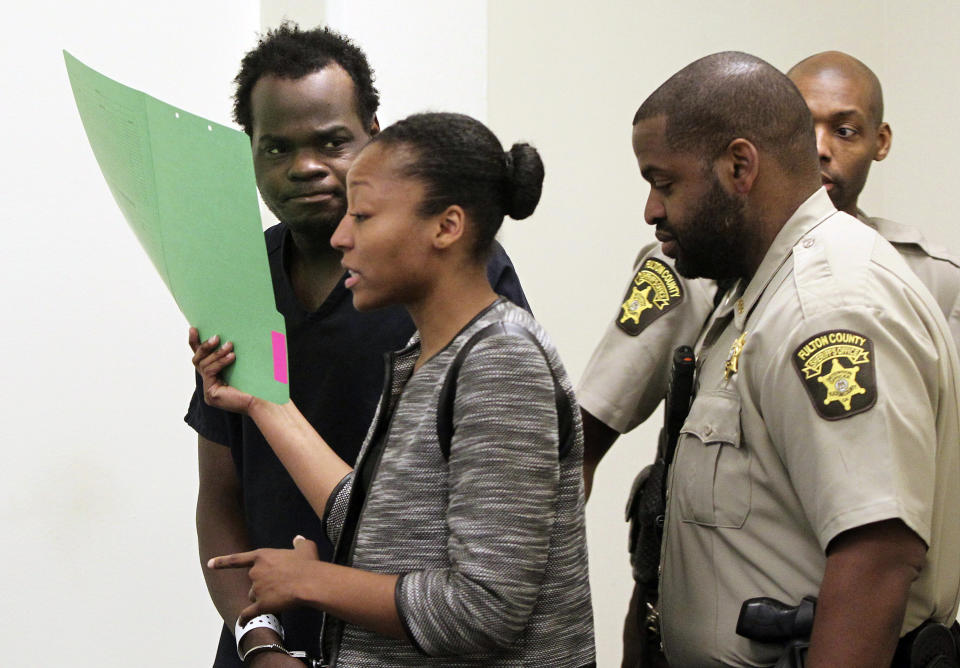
point(637, 303)
point(841, 384)
point(654, 291)
point(733, 359)
point(837, 369)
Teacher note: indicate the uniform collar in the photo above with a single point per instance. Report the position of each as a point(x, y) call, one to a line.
point(814, 210)
point(896, 233)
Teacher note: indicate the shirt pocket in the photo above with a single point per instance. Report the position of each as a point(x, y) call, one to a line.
point(712, 467)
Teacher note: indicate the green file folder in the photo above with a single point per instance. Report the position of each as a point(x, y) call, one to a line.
point(186, 186)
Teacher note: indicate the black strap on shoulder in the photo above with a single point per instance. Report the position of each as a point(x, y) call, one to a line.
point(448, 393)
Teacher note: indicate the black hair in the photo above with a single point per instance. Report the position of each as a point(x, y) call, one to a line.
point(460, 161)
point(292, 53)
point(727, 95)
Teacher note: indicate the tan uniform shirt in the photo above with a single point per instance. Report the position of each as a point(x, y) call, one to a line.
point(934, 265)
point(827, 399)
point(627, 375)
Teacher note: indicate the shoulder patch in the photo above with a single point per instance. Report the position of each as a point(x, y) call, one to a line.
point(655, 291)
point(836, 368)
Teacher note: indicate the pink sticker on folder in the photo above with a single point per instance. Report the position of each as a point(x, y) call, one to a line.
point(279, 357)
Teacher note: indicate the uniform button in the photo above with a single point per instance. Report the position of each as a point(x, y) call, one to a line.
point(707, 431)
point(808, 242)
point(739, 306)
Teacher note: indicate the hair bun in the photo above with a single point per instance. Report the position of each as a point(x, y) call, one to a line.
point(523, 176)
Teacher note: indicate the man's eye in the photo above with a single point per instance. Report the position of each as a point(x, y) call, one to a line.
point(845, 132)
point(273, 149)
point(660, 186)
point(333, 144)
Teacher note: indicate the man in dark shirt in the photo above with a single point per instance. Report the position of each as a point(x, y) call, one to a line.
point(307, 100)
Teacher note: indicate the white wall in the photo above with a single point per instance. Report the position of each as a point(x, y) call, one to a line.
point(569, 77)
point(97, 495)
point(428, 55)
point(99, 482)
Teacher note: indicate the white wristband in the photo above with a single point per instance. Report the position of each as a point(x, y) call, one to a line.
point(260, 621)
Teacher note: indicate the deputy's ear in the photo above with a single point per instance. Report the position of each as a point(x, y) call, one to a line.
point(450, 226)
point(739, 165)
point(374, 126)
point(884, 140)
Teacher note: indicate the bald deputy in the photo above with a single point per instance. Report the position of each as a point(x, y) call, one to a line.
point(846, 101)
point(626, 376)
point(821, 454)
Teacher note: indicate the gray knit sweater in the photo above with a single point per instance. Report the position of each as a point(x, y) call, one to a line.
point(490, 545)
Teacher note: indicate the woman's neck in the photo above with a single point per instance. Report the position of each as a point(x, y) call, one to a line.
point(448, 308)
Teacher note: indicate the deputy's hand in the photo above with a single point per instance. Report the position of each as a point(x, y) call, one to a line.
point(210, 359)
point(276, 575)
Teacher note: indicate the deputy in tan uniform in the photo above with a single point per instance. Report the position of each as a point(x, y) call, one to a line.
point(846, 101)
point(626, 376)
point(821, 456)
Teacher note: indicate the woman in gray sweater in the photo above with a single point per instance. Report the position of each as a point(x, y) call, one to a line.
point(459, 536)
